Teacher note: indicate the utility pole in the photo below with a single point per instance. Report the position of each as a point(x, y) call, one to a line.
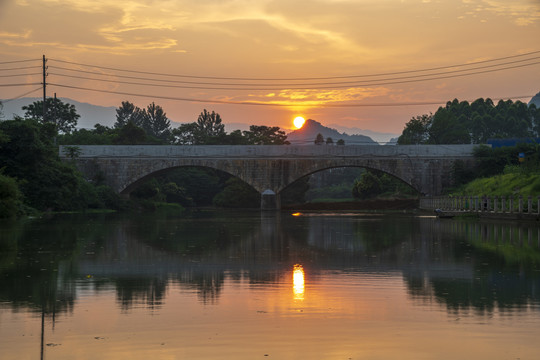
point(55, 118)
point(54, 110)
point(44, 89)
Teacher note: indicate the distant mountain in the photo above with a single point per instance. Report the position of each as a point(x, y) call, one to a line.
point(90, 114)
point(380, 137)
point(306, 135)
point(535, 100)
point(230, 127)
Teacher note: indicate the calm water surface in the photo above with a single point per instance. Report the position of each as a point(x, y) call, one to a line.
point(246, 285)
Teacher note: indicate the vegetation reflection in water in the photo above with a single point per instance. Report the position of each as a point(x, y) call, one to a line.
point(363, 269)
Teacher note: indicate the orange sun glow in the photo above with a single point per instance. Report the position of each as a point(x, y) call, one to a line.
point(299, 122)
point(298, 282)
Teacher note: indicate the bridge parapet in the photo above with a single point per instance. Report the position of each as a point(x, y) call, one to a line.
point(270, 151)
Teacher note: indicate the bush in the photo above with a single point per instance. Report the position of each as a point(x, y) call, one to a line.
point(367, 187)
point(10, 198)
point(237, 194)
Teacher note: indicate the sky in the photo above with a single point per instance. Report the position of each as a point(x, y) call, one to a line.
point(348, 63)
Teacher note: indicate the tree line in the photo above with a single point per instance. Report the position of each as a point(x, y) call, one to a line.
point(136, 126)
point(461, 122)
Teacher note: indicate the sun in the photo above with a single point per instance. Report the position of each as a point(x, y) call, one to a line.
point(299, 122)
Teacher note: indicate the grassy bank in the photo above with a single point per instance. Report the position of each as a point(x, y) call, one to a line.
point(510, 184)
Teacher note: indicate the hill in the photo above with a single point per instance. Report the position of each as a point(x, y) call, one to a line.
point(307, 134)
point(90, 114)
point(535, 100)
point(380, 137)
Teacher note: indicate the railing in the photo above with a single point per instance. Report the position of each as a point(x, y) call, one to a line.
point(484, 204)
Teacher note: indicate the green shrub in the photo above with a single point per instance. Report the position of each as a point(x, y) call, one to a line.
point(10, 197)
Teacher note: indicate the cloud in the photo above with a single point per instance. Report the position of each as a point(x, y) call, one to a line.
point(310, 98)
point(523, 13)
point(218, 17)
point(14, 35)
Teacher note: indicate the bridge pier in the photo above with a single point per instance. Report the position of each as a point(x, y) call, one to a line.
point(270, 200)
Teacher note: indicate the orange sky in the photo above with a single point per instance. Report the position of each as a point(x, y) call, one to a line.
point(274, 39)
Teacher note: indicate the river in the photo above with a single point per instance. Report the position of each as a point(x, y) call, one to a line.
point(251, 285)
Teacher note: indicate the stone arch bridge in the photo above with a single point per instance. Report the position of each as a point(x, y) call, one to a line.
point(271, 168)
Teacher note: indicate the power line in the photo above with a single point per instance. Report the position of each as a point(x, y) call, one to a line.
point(306, 86)
point(21, 68)
point(297, 79)
point(17, 61)
point(333, 84)
point(22, 95)
point(258, 103)
point(14, 75)
point(25, 84)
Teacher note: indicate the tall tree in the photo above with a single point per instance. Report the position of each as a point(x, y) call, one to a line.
point(128, 113)
point(63, 115)
point(155, 122)
point(319, 140)
point(209, 126)
point(447, 128)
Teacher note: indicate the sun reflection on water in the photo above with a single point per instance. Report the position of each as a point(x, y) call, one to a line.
point(298, 282)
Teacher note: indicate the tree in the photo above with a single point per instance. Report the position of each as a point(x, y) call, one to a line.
point(477, 122)
point(100, 135)
point(185, 134)
point(176, 194)
point(416, 130)
point(131, 134)
point(319, 140)
point(10, 197)
point(72, 152)
point(340, 142)
point(237, 194)
point(265, 135)
point(368, 186)
point(235, 138)
point(447, 128)
point(329, 141)
point(535, 114)
point(208, 126)
point(63, 115)
point(45, 181)
point(155, 122)
point(128, 113)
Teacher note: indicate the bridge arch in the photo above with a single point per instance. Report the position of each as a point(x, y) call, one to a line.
point(133, 184)
point(389, 172)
